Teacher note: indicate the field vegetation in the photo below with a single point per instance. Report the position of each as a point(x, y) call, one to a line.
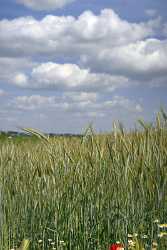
point(82, 193)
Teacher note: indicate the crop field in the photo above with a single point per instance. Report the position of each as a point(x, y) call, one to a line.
point(83, 193)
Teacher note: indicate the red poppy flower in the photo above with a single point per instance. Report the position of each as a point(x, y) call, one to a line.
point(116, 246)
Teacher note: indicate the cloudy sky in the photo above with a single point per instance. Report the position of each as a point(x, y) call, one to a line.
point(65, 63)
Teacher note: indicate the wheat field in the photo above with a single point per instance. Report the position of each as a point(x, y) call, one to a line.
point(81, 193)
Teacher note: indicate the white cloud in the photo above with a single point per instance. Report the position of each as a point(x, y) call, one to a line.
point(67, 77)
point(143, 58)
point(104, 108)
point(151, 12)
point(67, 112)
point(108, 25)
point(57, 35)
point(105, 43)
point(10, 68)
point(105, 53)
point(45, 4)
point(82, 96)
point(20, 79)
point(123, 103)
point(87, 105)
point(33, 102)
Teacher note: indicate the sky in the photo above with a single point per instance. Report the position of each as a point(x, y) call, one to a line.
point(67, 63)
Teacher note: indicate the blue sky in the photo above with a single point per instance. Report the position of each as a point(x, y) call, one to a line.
point(66, 63)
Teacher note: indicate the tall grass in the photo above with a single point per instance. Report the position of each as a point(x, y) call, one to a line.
point(82, 193)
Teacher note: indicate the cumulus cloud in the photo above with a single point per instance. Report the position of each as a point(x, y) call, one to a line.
point(146, 58)
point(69, 35)
point(67, 77)
point(79, 63)
point(10, 68)
point(20, 79)
point(40, 5)
point(105, 43)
